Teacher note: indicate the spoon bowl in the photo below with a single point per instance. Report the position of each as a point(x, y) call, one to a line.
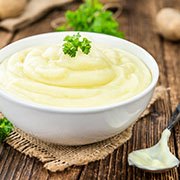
point(158, 158)
point(157, 171)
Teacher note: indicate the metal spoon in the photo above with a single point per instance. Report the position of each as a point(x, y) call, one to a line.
point(140, 154)
point(175, 118)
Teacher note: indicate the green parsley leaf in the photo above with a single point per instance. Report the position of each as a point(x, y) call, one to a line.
point(91, 17)
point(85, 46)
point(72, 43)
point(6, 128)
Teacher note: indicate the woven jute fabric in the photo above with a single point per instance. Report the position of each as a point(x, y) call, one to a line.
point(58, 157)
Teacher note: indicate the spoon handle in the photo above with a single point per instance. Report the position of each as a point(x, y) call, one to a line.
point(175, 118)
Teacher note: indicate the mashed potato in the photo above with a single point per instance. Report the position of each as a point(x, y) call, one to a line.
point(44, 75)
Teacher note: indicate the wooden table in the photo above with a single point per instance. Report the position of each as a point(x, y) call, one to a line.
point(137, 22)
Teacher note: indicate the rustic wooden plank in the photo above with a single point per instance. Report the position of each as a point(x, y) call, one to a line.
point(90, 171)
point(3, 156)
point(172, 57)
point(15, 165)
point(24, 168)
point(38, 172)
point(104, 167)
point(5, 38)
point(7, 165)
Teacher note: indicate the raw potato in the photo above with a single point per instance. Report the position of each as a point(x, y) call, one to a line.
point(168, 23)
point(11, 8)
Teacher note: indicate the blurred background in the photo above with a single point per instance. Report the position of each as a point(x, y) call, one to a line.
point(103, 16)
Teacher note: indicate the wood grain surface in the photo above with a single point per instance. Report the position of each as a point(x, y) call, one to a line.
point(137, 21)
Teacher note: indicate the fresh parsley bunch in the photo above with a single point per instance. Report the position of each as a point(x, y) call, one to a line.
point(91, 17)
point(6, 128)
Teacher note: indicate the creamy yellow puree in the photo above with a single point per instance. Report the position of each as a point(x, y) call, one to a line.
point(45, 75)
point(157, 157)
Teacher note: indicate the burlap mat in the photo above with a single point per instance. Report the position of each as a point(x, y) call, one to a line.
point(34, 10)
point(58, 158)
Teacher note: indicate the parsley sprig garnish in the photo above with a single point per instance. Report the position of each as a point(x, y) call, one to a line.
point(6, 128)
point(91, 17)
point(73, 43)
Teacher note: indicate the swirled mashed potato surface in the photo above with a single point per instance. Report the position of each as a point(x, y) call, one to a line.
point(45, 75)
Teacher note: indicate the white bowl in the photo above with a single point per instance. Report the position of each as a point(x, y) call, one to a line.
point(76, 126)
